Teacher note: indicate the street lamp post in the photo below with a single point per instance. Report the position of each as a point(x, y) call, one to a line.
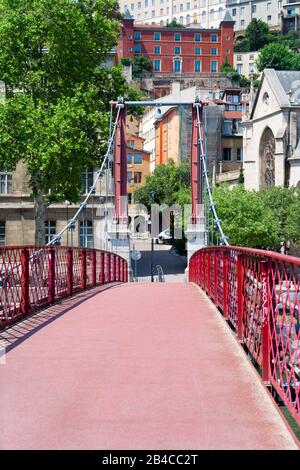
point(152, 194)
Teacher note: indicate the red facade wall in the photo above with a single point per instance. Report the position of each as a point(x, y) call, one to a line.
point(224, 45)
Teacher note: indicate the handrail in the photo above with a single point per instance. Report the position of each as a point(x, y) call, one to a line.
point(258, 293)
point(34, 277)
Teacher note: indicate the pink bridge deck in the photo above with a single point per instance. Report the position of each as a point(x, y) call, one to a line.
point(137, 367)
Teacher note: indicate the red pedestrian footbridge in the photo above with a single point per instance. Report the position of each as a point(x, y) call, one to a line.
point(150, 366)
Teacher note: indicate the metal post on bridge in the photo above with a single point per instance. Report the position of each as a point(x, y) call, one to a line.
point(240, 296)
point(25, 282)
point(51, 276)
point(265, 305)
point(70, 270)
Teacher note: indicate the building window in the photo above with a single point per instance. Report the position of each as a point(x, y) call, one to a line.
point(269, 4)
point(157, 36)
point(129, 176)
point(86, 239)
point(177, 37)
point(239, 155)
point(198, 37)
point(129, 158)
point(197, 65)
point(234, 12)
point(214, 66)
point(137, 49)
point(130, 143)
point(227, 127)
point(137, 177)
point(242, 11)
point(156, 65)
point(177, 65)
point(177, 50)
point(227, 154)
point(157, 49)
point(242, 22)
point(251, 68)
point(214, 51)
point(269, 17)
point(197, 50)
point(5, 183)
point(2, 232)
point(138, 158)
point(50, 230)
point(88, 180)
point(253, 8)
point(137, 36)
point(214, 37)
point(129, 196)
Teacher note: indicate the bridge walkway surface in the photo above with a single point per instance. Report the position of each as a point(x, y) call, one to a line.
point(149, 366)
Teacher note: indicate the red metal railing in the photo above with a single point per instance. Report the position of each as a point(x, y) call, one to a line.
point(32, 277)
point(258, 292)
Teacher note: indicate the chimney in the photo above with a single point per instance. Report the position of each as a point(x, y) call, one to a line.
point(176, 88)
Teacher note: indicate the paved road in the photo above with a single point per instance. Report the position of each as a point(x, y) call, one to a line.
point(173, 265)
point(138, 366)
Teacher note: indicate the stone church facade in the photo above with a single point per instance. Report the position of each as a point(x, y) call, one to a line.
point(271, 132)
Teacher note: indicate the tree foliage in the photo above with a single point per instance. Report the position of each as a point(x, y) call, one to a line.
point(246, 220)
point(140, 66)
point(257, 35)
point(278, 57)
point(56, 114)
point(174, 24)
point(170, 183)
point(285, 204)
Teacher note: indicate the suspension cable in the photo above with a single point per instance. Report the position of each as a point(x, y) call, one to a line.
point(217, 222)
point(83, 204)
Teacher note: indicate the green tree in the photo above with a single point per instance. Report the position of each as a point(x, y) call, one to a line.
point(279, 57)
point(293, 221)
point(174, 24)
point(52, 53)
point(285, 205)
point(140, 66)
point(169, 182)
point(257, 34)
point(246, 220)
point(226, 67)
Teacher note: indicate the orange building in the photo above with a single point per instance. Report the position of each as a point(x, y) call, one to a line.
point(167, 135)
point(138, 165)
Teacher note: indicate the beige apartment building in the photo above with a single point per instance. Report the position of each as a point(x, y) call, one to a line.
point(245, 63)
point(207, 13)
point(17, 224)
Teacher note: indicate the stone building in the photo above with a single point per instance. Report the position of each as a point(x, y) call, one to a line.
point(271, 136)
point(17, 224)
point(245, 63)
point(208, 13)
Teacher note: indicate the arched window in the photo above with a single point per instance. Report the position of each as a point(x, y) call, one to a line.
point(162, 23)
point(220, 13)
point(212, 14)
point(266, 157)
point(181, 20)
point(188, 19)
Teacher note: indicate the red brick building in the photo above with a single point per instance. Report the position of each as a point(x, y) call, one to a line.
point(178, 50)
